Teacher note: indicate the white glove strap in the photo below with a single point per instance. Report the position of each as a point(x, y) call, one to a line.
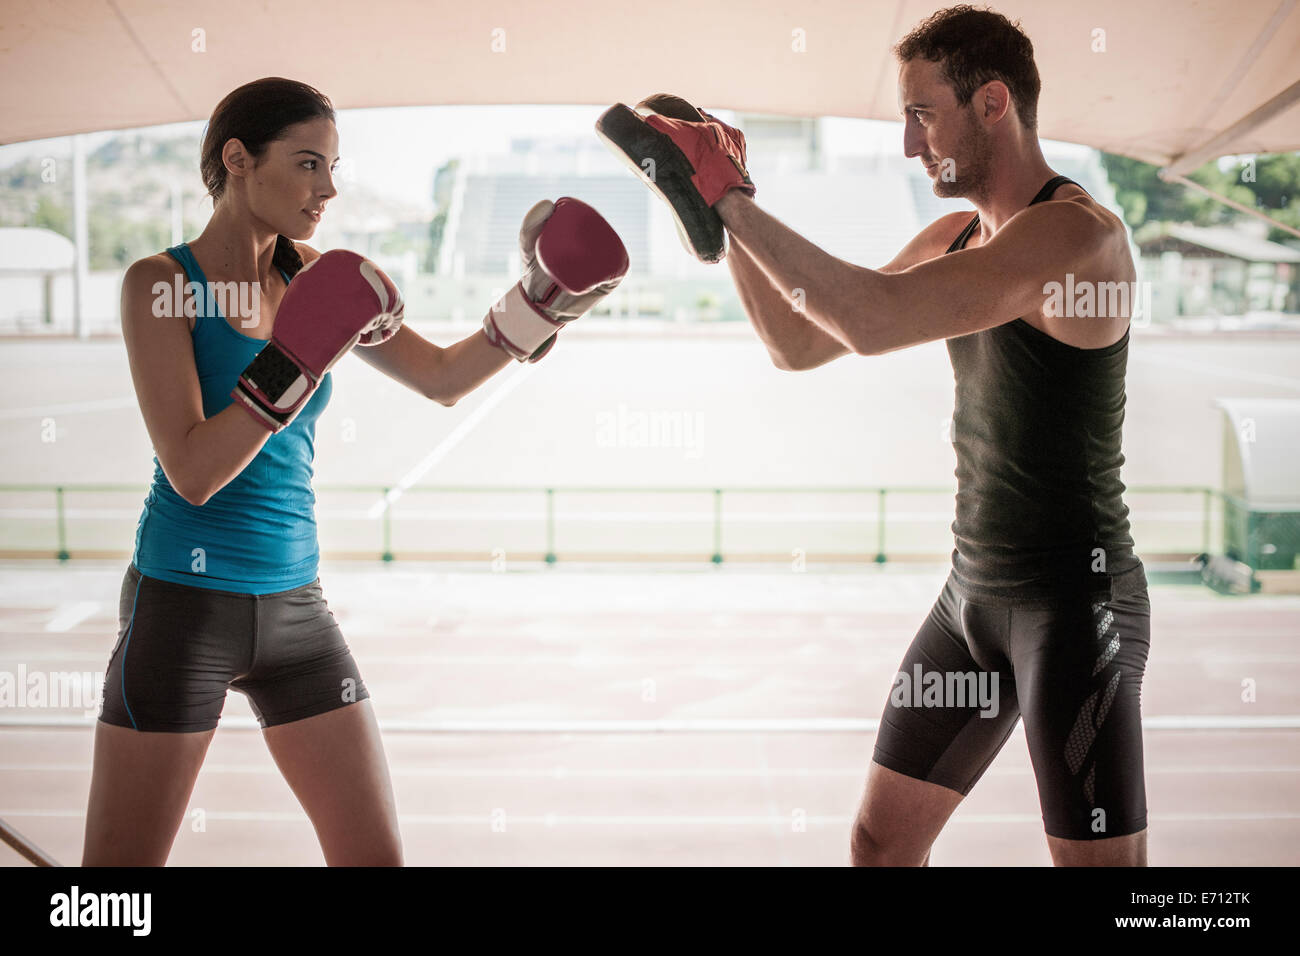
point(517, 325)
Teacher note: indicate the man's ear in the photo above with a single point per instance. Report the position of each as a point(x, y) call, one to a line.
point(236, 158)
point(992, 101)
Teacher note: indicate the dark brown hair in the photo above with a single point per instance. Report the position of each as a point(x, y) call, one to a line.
point(975, 47)
point(257, 114)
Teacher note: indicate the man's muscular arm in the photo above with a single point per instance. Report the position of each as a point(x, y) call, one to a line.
point(871, 311)
point(795, 343)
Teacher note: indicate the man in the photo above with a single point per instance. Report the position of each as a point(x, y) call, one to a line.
point(1046, 602)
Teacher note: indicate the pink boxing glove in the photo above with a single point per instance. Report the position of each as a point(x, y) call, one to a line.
point(331, 304)
point(390, 320)
point(572, 259)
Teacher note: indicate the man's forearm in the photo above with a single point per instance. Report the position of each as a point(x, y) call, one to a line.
point(780, 327)
point(793, 341)
point(830, 292)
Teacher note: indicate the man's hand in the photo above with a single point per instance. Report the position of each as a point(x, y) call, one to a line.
point(689, 158)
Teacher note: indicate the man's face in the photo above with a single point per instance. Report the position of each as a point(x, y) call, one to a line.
point(949, 139)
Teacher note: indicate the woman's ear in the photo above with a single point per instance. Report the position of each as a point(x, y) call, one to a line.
point(236, 159)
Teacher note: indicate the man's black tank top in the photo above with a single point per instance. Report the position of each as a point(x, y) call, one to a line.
point(1036, 426)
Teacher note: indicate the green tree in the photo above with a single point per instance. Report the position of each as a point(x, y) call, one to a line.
point(116, 242)
point(443, 180)
point(393, 243)
point(1270, 183)
point(1277, 191)
point(52, 214)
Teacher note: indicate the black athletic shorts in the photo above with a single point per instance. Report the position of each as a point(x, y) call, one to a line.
point(1073, 671)
point(180, 647)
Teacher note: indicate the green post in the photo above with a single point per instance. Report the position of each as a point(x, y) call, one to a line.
point(388, 527)
point(717, 525)
point(1205, 523)
point(550, 525)
point(880, 529)
point(63, 531)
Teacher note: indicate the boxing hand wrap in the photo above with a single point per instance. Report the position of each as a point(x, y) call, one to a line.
point(688, 157)
point(329, 306)
point(572, 259)
point(734, 140)
point(666, 104)
point(522, 330)
point(714, 155)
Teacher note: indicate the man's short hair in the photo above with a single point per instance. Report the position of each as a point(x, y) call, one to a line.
point(974, 47)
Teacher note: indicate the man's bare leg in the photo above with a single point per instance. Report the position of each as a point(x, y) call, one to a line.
point(899, 819)
point(1130, 850)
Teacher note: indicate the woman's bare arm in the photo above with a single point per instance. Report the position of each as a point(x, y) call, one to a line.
point(199, 456)
point(444, 375)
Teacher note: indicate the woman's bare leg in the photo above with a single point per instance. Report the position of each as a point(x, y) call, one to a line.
point(335, 765)
point(139, 788)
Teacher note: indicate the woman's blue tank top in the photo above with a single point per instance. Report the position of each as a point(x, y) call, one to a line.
point(257, 535)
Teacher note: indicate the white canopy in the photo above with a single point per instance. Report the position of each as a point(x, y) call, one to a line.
point(35, 252)
point(1260, 440)
point(1167, 83)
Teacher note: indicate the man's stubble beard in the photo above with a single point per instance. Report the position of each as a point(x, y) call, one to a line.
point(971, 165)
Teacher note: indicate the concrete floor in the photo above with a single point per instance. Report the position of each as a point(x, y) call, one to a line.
point(720, 716)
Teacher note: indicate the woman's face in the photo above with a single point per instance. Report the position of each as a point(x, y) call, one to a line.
point(293, 179)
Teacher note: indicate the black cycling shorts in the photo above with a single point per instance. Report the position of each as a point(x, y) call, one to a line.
point(179, 648)
point(1073, 671)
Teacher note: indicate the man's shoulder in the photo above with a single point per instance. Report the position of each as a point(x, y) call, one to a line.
point(1071, 196)
point(931, 242)
point(1072, 217)
point(947, 227)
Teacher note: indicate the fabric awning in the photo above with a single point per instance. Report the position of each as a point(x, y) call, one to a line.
point(1144, 78)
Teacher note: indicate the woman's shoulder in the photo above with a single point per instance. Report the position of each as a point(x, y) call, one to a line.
point(307, 252)
point(155, 287)
point(160, 267)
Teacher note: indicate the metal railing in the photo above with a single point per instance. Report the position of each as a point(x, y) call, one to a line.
point(386, 496)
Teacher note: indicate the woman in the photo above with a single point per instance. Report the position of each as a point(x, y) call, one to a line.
point(222, 590)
